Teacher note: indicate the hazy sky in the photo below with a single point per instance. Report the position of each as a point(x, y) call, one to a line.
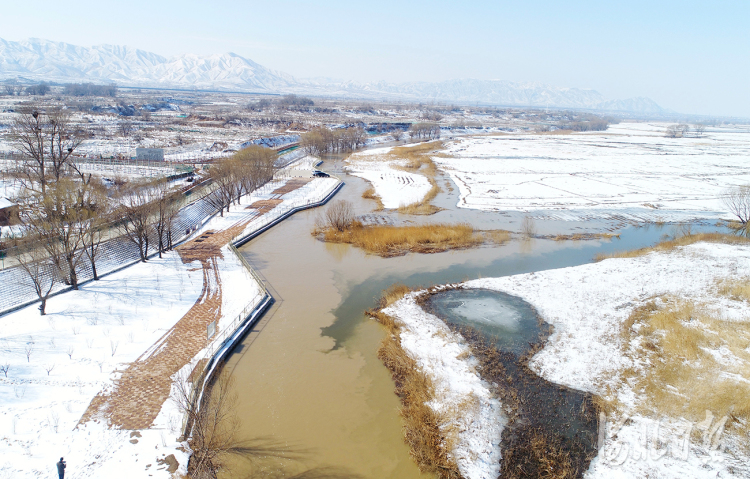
point(690, 56)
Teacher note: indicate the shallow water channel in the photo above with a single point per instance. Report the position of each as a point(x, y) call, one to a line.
point(308, 375)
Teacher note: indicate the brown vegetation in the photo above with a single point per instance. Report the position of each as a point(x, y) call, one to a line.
point(582, 236)
point(424, 206)
point(676, 339)
point(672, 244)
point(427, 445)
point(388, 241)
point(369, 194)
point(537, 441)
point(418, 160)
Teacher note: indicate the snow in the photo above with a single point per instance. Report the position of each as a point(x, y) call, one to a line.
point(587, 306)
point(476, 417)
point(631, 166)
point(128, 310)
point(395, 187)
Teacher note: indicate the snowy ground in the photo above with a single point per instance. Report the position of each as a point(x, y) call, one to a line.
point(475, 416)
point(312, 192)
point(629, 166)
point(89, 335)
point(395, 187)
point(587, 306)
point(128, 311)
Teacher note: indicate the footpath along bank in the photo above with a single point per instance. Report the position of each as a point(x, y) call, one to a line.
point(124, 339)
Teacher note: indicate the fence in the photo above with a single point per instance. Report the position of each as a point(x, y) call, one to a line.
point(222, 342)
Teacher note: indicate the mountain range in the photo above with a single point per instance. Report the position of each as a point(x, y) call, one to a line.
point(44, 60)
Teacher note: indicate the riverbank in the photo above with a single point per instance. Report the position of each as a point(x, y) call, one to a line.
point(605, 344)
point(122, 340)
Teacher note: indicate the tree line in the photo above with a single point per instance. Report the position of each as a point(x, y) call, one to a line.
point(427, 131)
point(245, 171)
point(322, 140)
point(67, 214)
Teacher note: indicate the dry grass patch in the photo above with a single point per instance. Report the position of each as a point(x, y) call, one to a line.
point(427, 444)
point(370, 194)
point(388, 241)
point(695, 361)
point(736, 289)
point(424, 206)
point(672, 244)
point(418, 160)
point(584, 236)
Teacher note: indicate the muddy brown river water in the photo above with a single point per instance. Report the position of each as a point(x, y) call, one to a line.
point(311, 379)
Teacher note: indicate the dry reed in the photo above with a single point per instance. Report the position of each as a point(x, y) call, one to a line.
point(427, 444)
point(389, 241)
point(681, 340)
point(672, 244)
point(417, 159)
point(583, 236)
point(370, 194)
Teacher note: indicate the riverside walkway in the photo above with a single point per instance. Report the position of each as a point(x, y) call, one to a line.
point(137, 396)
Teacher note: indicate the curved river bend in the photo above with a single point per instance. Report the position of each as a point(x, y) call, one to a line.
point(308, 374)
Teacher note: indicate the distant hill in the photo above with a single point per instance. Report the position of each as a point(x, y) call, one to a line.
point(44, 60)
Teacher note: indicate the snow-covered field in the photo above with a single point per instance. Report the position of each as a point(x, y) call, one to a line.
point(587, 306)
point(629, 166)
point(395, 187)
point(75, 351)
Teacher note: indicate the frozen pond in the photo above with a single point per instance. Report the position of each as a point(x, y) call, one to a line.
point(509, 321)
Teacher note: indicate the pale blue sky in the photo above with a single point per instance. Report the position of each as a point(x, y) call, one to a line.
point(690, 56)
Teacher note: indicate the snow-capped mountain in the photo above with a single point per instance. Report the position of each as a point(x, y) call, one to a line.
point(44, 60)
point(36, 59)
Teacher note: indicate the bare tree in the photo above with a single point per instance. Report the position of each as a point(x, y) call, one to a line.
point(528, 227)
point(212, 423)
point(4, 368)
point(397, 134)
point(94, 223)
point(47, 140)
point(165, 211)
point(255, 167)
point(226, 183)
point(135, 211)
point(125, 128)
point(340, 215)
point(737, 200)
point(673, 132)
point(54, 218)
point(425, 130)
point(28, 349)
point(212, 430)
point(11, 87)
point(699, 129)
point(40, 271)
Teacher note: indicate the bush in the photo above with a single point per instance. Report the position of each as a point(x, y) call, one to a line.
point(340, 215)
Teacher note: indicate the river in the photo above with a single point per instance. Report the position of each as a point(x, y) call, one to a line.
point(308, 376)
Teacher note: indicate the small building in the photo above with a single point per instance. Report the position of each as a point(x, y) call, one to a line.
point(8, 212)
point(149, 154)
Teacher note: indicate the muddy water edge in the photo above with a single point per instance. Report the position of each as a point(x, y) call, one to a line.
point(308, 375)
